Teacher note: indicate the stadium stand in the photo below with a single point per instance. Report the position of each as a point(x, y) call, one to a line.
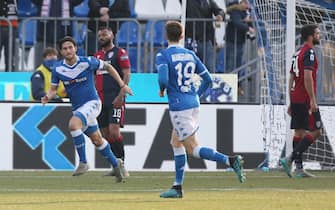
point(173, 9)
point(144, 11)
point(132, 9)
point(79, 29)
point(82, 9)
point(26, 9)
point(129, 37)
point(154, 37)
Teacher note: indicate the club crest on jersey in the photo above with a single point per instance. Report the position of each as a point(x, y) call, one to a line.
point(110, 54)
point(311, 57)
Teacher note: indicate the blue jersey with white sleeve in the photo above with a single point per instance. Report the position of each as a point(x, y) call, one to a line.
point(176, 67)
point(78, 79)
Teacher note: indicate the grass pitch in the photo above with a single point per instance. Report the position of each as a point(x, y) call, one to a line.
point(202, 190)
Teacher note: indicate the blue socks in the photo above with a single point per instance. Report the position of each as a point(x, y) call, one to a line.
point(210, 154)
point(79, 143)
point(106, 152)
point(180, 161)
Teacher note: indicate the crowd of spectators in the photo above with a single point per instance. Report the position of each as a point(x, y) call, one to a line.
point(53, 23)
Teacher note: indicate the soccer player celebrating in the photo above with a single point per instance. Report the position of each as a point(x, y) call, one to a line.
point(77, 75)
point(176, 68)
point(305, 115)
point(111, 117)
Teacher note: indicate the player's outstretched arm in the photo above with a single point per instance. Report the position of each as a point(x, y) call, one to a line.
point(112, 71)
point(50, 95)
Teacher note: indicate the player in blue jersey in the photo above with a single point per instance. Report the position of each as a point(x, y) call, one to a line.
point(77, 74)
point(177, 67)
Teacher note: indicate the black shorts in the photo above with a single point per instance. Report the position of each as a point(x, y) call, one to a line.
point(109, 115)
point(302, 119)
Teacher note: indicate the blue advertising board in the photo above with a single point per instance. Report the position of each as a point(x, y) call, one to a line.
point(15, 86)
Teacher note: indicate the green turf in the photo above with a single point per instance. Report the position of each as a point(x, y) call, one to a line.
point(202, 190)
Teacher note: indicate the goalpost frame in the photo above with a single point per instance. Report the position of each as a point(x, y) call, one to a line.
point(183, 19)
point(290, 50)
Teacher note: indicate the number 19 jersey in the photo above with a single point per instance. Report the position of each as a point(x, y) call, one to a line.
point(182, 65)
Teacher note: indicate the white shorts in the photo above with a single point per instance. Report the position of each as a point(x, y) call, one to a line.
point(185, 122)
point(88, 113)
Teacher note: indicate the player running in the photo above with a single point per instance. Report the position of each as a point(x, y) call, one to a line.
point(77, 75)
point(176, 67)
point(306, 119)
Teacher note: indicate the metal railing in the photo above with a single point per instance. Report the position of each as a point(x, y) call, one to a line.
point(10, 36)
point(143, 39)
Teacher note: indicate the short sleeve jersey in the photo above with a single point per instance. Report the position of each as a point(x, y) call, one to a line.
point(78, 79)
point(303, 60)
point(106, 85)
point(183, 64)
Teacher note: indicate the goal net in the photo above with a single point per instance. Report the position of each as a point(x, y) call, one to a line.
point(270, 20)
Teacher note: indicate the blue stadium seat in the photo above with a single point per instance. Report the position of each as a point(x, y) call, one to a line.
point(155, 33)
point(132, 53)
point(220, 58)
point(79, 32)
point(82, 9)
point(155, 38)
point(128, 34)
point(132, 8)
point(128, 37)
point(29, 33)
point(26, 9)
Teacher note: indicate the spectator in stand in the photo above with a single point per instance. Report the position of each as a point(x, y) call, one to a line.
point(41, 79)
point(50, 31)
point(105, 10)
point(199, 35)
point(238, 27)
point(8, 10)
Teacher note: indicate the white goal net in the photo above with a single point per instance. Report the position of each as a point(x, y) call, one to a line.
point(270, 16)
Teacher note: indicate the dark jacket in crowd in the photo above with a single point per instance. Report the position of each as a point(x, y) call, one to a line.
point(8, 10)
point(120, 9)
point(237, 28)
point(201, 9)
point(46, 29)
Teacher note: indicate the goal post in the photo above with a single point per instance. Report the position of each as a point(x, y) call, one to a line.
point(280, 19)
point(290, 50)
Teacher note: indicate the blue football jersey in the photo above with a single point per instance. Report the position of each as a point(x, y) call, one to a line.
point(182, 65)
point(78, 79)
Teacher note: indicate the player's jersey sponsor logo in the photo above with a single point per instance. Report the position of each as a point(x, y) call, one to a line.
point(72, 81)
point(124, 57)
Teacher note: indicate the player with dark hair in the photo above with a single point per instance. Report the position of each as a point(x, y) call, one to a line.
point(304, 111)
point(77, 74)
point(177, 67)
point(113, 101)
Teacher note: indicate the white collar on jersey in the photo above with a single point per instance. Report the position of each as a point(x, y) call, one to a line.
point(175, 45)
point(72, 64)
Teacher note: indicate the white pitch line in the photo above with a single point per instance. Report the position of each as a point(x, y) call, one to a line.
point(159, 190)
point(152, 177)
